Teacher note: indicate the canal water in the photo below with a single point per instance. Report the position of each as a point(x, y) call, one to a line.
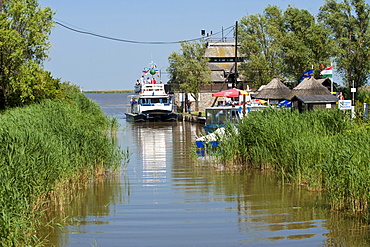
point(163, 198)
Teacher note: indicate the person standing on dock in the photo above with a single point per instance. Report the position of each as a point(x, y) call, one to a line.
point(188, 106)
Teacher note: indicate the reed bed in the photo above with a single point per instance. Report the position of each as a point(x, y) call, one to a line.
point(41, 147)
point(321, 149)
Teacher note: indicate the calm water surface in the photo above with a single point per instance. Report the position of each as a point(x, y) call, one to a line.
point(163, 198)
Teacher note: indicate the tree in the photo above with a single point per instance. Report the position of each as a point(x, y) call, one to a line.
point(305, 43)
point(257, 35)
point(349, 25)
point(189, 69)
point(282, 43)
point(32, 84)
point(24, 34)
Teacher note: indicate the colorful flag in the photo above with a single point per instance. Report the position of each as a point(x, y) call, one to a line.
point(327, 73)
point(306, 74)
point(145, 70)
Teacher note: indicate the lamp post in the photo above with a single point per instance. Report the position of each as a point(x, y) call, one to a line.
point(236, 55)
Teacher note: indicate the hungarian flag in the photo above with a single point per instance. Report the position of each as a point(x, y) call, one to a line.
point(327, 73)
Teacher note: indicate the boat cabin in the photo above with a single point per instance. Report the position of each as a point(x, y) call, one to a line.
point(217, 117)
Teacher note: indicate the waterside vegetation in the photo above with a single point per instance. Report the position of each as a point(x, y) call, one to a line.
point(323, 150)
point(45, 147)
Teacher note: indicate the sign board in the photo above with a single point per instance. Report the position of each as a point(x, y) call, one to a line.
point(328, 106)
point(344, 104)
point(353, 90)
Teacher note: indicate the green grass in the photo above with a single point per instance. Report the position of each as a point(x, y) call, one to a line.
point(322, 149)
point(41, 147)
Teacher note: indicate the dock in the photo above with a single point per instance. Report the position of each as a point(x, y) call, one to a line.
point(191, 118)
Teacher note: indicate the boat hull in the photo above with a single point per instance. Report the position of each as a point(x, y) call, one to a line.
point(135, 117)
point(169, 117)
point(202, 144)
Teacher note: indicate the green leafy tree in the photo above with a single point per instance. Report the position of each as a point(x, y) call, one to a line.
point(305, 43)
point(189, 69)
point(257, 35)
point(32, 84)
point(283, 44)
point(349, 24)
point(24, 43)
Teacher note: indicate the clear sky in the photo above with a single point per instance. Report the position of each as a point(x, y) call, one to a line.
point(100, 64)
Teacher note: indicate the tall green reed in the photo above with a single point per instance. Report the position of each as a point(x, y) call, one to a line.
point(322, 149)
point(42, 146)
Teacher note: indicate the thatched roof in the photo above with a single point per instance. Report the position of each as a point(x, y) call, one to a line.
point(328, 83)
point(312, 99)
point(275, 89)
point(309, 86)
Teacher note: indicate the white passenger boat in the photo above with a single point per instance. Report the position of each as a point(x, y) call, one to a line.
point(152, 103)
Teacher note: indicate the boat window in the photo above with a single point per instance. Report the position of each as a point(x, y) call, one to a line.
point(234, 116)
point(221, 116)
point(210, 117)
point(144, 101)
point(218, 116)
point(155, 100)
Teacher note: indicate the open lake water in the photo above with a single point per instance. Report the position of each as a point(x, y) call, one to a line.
point(164, 198)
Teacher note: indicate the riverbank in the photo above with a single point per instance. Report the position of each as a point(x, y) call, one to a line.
point(44, 147)
point(323, 150)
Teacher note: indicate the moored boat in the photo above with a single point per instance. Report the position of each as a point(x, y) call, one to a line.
point(210, 140)
point(217, 117)
point(153, 103)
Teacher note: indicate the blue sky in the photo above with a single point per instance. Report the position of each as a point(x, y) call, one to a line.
point(100, 64)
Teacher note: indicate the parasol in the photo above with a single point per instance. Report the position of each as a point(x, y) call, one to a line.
point(230, 93)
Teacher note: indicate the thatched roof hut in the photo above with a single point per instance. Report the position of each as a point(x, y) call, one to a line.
point(310, 102)
point(274, 90)
point(309, 86)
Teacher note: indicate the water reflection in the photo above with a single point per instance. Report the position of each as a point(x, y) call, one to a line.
point(154, 143)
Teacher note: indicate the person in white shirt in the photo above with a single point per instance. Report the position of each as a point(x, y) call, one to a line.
point(142, 79)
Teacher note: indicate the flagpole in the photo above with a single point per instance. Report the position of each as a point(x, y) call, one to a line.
point(331, 80)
